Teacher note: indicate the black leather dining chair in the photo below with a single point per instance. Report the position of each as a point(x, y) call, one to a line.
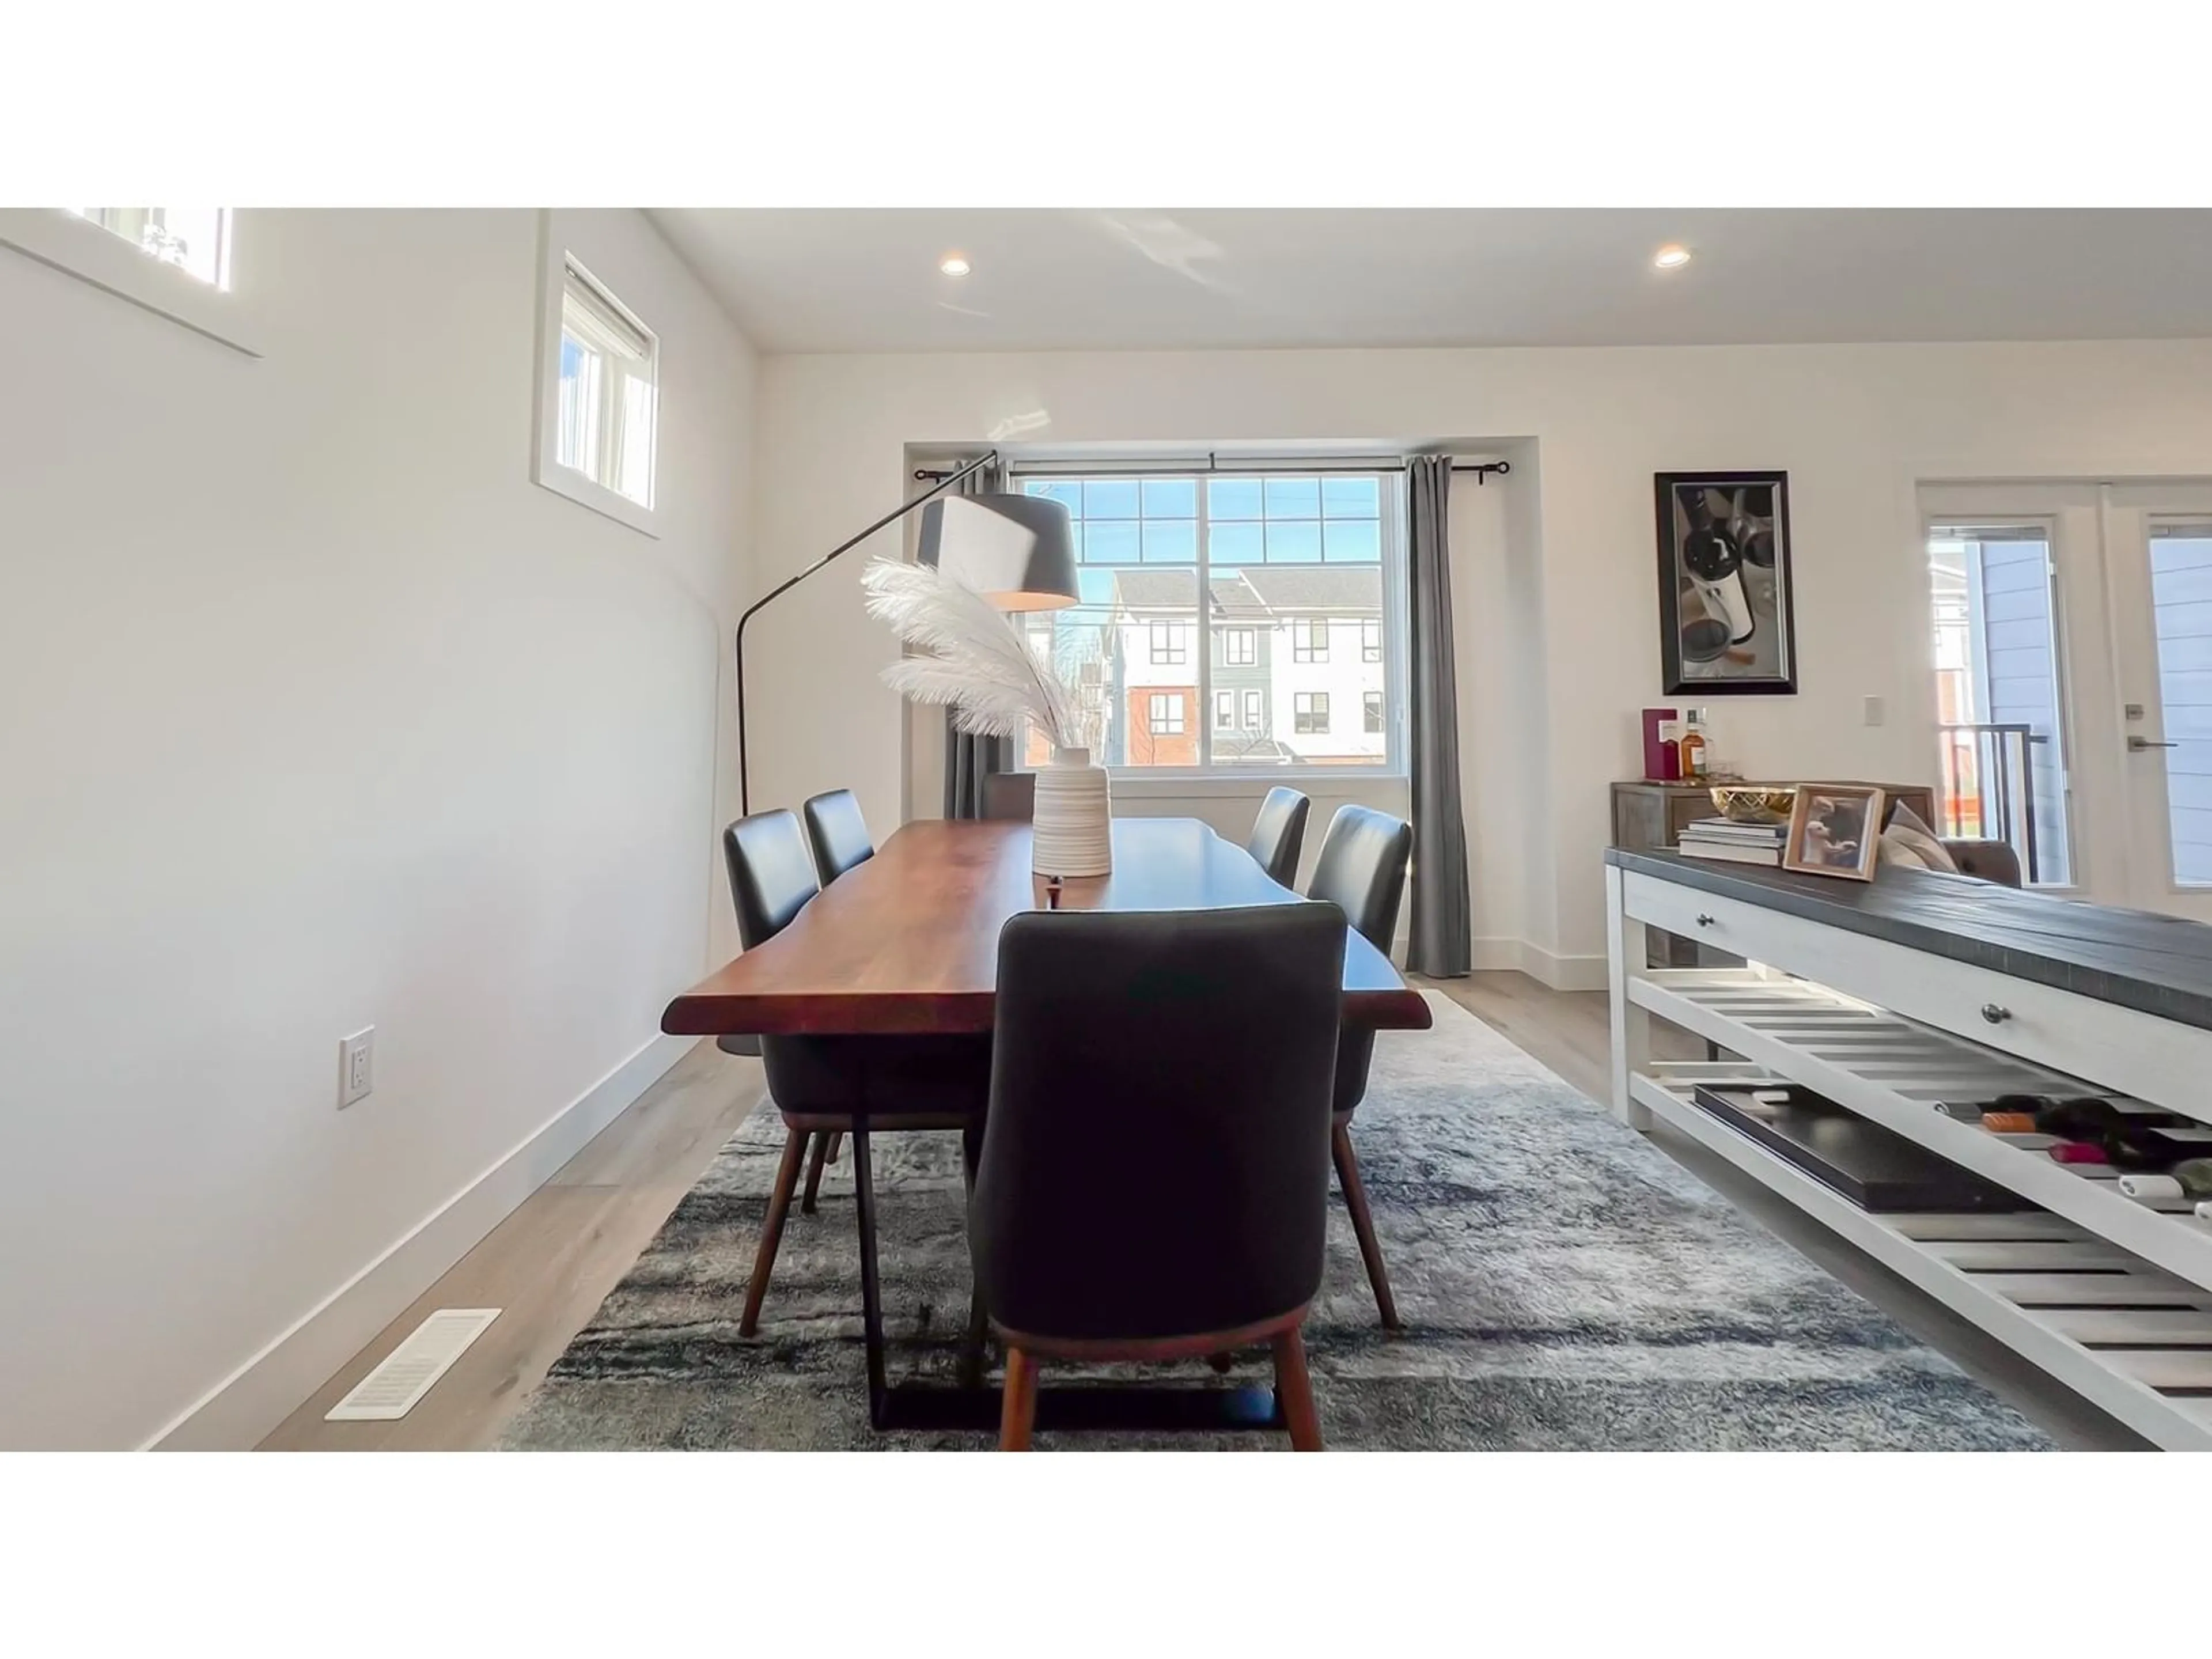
point(1362, 871)
point(826, 1086)
point(1278, 833)
point(1153, 1183)
point(838, 834)
point(1010, 795)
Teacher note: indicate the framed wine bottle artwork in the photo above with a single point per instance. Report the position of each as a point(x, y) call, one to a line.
point(1725, 621)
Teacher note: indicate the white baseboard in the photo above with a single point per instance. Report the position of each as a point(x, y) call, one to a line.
point(1562, 973)
point(239, 1412)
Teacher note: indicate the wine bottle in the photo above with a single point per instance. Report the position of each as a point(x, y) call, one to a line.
point(1715, 565)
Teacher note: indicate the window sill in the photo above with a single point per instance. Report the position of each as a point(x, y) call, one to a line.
point(76, 247)
point(567, 481)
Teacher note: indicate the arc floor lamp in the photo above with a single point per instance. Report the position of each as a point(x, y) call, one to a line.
point(1016, 550)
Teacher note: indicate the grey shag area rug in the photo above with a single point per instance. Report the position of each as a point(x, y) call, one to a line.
point(1564, 1283)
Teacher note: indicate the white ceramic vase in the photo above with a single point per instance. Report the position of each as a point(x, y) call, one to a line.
point(1073, 834)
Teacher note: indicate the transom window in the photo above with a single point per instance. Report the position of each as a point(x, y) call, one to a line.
point(1268, 565)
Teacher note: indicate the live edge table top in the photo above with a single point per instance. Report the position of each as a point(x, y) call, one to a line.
point(2155, 964)
point(909, 941)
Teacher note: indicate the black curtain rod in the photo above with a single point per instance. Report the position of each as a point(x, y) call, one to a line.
point(1482, 469)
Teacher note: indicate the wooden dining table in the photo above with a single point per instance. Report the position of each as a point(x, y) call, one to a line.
point(906, 943)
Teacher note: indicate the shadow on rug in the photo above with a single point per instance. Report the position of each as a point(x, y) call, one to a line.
point(1564, 1285)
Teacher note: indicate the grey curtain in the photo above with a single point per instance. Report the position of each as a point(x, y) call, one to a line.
point(1441, 924)
point(969, 760)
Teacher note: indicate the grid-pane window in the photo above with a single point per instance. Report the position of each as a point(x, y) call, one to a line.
point(610, 371)
point(1263, 574)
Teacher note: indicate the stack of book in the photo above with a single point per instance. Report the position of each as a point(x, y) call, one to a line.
point(1738, 843)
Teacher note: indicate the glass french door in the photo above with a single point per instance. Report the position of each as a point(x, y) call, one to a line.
point(2158, 541)
point(2005, 717)
point(2073, 637)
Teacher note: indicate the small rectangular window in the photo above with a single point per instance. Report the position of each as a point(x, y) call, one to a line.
point(1255, 718)
point(1225, 710)
point(196, 239)
point(1310, 641)
point(1170, 643)
point(1370, 640)
point(610, 370)
point(1309, 712)
point(1240, 647)
point(1165, 715)
point(1371, 706)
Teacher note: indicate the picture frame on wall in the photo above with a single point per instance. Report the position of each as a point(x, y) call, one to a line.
point(1835, 829)
point(1727, 623)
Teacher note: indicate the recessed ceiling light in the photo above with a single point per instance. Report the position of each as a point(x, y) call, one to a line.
point(1673, 257)
point(953, 266)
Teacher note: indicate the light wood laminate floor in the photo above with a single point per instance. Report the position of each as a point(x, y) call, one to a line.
point(551, 1262)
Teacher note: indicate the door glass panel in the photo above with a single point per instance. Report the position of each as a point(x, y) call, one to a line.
point(1998, 700)
point(2181, 614)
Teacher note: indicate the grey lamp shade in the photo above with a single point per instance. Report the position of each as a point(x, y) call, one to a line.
point(1016, 550)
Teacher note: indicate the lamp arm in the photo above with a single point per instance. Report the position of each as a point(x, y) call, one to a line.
point(745, 788)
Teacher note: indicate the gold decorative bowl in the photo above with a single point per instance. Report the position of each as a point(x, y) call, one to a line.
point(1753, 803)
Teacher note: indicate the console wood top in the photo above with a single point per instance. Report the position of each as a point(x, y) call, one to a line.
point(2158, 965)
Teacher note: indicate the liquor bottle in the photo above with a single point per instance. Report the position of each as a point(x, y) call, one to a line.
point(1691, 749)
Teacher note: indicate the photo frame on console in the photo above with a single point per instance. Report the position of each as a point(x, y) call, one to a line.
point(1835, 829)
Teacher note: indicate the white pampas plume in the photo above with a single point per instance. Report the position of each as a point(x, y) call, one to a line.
point(971, 656)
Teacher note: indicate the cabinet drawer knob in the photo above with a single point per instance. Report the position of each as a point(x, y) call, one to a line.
point(1705, 921)
point(1995, 1013)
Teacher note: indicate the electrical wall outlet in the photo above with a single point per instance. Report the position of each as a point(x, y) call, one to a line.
point(1872, 709)
point(357, 1065)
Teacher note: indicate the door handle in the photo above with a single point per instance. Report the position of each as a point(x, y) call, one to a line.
point(2137, 745)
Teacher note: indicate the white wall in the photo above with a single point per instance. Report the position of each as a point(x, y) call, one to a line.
point(1855, 426)
point(317, 714)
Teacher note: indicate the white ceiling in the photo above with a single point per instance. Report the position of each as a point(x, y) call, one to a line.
point(866, 280)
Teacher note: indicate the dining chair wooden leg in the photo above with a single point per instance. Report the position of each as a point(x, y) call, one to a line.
point(814, 1170)
point(1017, 1402)
point(1294, 1389)
point(1363, 1224)
point(836, 1143)
point(779, 1205)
